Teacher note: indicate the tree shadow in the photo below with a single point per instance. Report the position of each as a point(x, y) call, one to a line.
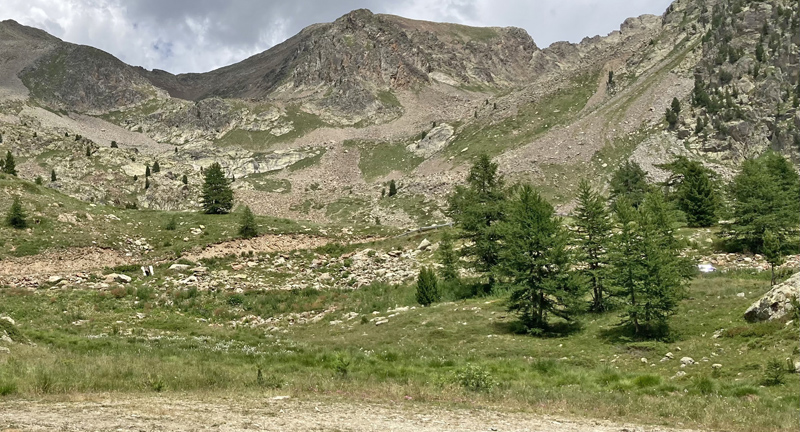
point(626, 333)
point(555, 330)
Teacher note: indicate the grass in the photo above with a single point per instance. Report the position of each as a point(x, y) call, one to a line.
point(259, 141)
point(532, 120)
point(265, 183)
point(109, 226)
point(465, 352)
point(379, 159)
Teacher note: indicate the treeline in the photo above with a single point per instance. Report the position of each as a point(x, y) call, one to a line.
point(618, 252)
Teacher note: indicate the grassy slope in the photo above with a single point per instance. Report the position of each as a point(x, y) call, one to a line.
point(595, 372)
point(47, 204)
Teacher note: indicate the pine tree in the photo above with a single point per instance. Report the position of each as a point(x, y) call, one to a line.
point(676, 106)
point(671, 117)
point(88, 149)
point(217, 196)
point(593, 229)
point(38, 180)
point(427, 287)
point(629, 181)
point(763, 198)
point(772, 249)
point(172, 224)
point(247, 225)
point(10, 167)
point(146, 183)
point(53, 175)
point(147, 171)
point(392, 188)
point(536, 259)
point(184, 179)
point(695, 193)
point(15, 218)
point(447, 258)
point(646, 265)
point(114, 144)
point(475, 210)
point(156, 167)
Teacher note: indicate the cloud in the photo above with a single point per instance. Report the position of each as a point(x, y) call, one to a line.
point(200, 35)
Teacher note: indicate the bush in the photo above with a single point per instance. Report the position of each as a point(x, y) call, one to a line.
point(15, 218)
point(427, 287)
point(774, 372)
point(247, 227)
point(475, 378)
point(172, 224)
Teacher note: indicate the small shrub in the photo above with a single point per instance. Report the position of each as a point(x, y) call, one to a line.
point(114, 144)
point(39, 181)
point(156, 383)
point(475, 378)
point(774, 372)
point(144, 292)
point(235, 300)
point(247, 226)
point(15, 218)
point(172, 224)
point(270, 381)
point(427, 287)
point(341, 364)
point(704, 385)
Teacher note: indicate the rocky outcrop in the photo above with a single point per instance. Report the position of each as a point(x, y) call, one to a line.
point(777, 303)
point(434, 141)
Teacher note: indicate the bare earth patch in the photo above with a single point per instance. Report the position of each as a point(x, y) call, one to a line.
point(162, 412)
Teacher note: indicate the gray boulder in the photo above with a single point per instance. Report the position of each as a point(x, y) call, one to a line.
point(776, 303)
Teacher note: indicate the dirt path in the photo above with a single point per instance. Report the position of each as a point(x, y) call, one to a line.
point(167, 412)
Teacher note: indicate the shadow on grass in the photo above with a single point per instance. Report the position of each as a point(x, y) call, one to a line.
point(559, 329)
point(625, 333)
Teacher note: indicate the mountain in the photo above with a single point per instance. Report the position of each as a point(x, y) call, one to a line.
point(315, 127)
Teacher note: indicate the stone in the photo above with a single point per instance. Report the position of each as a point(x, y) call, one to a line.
point(5, 350)
point(680, 374)
point(797, 367)
point(116, 277)
point(199, 270)
point(776, 303)
point(687, 361)
point(9, 319)
point(643, 360)
point(179, 267)
point(424, 245)
point(54, 279)
point(716, 366)
point(381, 321)
point(669, 355)
point(740, 295)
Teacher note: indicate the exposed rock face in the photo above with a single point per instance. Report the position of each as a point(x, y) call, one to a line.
point(776, 303)
point(435, 140)
point(361, 54)
point(85, 79)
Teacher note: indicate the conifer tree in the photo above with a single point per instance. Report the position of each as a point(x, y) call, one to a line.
point(764, 198)
point(392, 188)
point(647, 268)
point(217, 196)
point(593, 229)
point(247, 225)
point(427, 287)
point(156, 167)
point(537, 261)
point(447, 258)
point(147, 170)
point(676, 106)
point(184, 179)
point(10, 167)
point(53, 175)
point(772, 249)
point(695, 194)
point(16, 218)
point(475, 210)
point(629, 181)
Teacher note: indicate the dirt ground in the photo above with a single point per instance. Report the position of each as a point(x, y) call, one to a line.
point(171, 413)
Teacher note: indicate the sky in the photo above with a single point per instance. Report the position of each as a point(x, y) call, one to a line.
point(201, 35)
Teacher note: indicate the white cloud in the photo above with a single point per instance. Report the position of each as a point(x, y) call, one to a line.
point(200, 35)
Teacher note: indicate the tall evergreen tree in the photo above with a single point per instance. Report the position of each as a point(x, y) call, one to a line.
point(156, 167)
point(475, 210)
point(185, 179)
point(392, 188)
point(147, 171)
point(764, 197)
point(676, 106)
point(217, 195)
point(53, 175)
point(15, 218)
point(10, 167)
point(773, 252)
point(629, 181)
point(695, 193)
point(247, 225)
point(427, 287)
point(593, 230)
point(647, 268)
point(536, 260)
point(447, 258)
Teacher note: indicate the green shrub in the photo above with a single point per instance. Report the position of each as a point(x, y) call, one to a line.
point(475, 378)
point(172, 224)
point(427, 287)
point(7, 388)
point(644, 381)
point(774, 372)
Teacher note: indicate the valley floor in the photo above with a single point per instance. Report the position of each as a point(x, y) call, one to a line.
point(105, 412)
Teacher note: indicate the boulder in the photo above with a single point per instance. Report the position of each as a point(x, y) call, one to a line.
point(116, 277)
point(424, 245)
point(776, 303)
point(54, 279)
point(687, 361)
point(179, 267)
point(9, 319)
